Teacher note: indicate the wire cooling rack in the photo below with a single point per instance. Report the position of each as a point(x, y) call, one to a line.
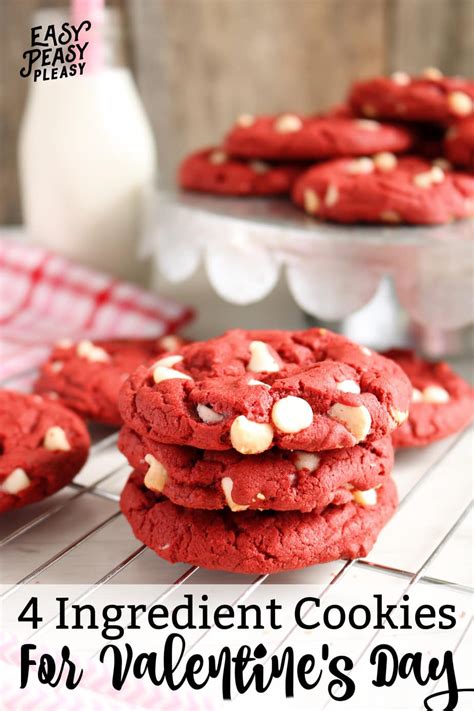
point(80, 536)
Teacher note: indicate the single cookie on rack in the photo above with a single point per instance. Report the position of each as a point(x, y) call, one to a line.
point(86, 376)
point(459, 143)
point(251, 390)
point(278, 479)
point(430, 97)
point(255, 541)
point(295, 137)
point(213, 171)
point(385, 189)
point(442, 401)
point(42, 447)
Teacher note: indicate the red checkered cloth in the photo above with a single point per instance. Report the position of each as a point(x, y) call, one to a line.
point(44, 297)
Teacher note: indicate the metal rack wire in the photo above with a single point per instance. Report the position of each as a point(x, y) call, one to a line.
point(99, 490)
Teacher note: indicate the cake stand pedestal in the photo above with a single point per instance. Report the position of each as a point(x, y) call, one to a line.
point(407, 284)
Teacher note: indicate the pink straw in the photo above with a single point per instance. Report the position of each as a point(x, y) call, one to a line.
point(94, 11)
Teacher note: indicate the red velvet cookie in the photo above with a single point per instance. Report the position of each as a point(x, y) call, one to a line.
point(385, 189)
point(87, 377)
point(277, 479)
point(295, 137)
point(213, 171)
point(42, 447)
point(442, 402)
point(459, 143)
point(430, 97)
point(254, 541)
point(250, 390)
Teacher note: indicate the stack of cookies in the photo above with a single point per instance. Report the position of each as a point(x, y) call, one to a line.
point(262, 451)
point(401, 150)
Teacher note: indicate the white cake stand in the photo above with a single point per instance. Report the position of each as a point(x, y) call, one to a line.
point(332, 271)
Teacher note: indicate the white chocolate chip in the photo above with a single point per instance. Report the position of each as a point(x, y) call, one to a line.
point(261, 359)
point(443, 163)
point(288, 123)
point(217, 157)
point(252, 381)
point(423, 180)
point(435, 394)
point(156, 476)
point(361, 166)
point(164, 548)
point(366, 351)
point(398, 416)
point(332, 195)
point(292, 414)
point(259, 166)
point(311, 201)
point(369, 110)
point(227, 486)
point(208, 415)
point(92, 353)
point(64, 343)
point(365, 498)
point(385, 161)
point(56, 366)
point(400, 78)
point(160, 374)
point(245, 120)
point(52, 395)
point(368, 124)
point(390, 216)
point(170, 343)
point(15, 482)
point(55, 440)
point(249, 437)
point(261, 496)
point(356, 419)
point(306, 460)
point(460, 103)
point(437, 174)
point(348, 386)
point(432, 73)
point(168, 361)
point(417, 395)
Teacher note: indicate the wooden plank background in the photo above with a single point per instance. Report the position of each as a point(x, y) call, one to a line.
point(199, 63)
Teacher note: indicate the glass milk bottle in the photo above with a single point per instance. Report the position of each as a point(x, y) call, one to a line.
point(87, 160)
